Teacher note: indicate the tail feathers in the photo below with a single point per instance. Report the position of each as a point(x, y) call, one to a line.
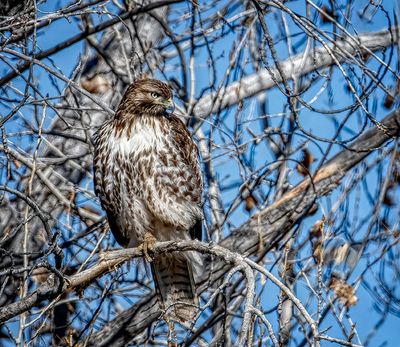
point(175, 285)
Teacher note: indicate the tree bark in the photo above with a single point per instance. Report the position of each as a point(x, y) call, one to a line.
point(272, 224)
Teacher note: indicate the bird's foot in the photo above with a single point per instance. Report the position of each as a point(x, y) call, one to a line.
point(148, 246)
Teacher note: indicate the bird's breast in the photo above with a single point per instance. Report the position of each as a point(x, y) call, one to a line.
point(130, 156)
point(140, 139)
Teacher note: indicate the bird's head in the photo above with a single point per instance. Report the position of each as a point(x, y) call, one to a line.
point(148, 96)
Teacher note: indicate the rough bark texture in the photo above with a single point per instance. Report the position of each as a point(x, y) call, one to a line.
point(300, 65)
point(140, 34)
point(12, 7)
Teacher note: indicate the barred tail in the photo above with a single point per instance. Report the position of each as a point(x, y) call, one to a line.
point(173, 275)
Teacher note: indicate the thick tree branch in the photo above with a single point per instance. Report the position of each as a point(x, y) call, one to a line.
point(231, 56)
point(110, 260)
point(273, 223)
point(299, 65)
point(263, 231)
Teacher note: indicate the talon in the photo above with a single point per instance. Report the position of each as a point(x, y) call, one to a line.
point(148, 246)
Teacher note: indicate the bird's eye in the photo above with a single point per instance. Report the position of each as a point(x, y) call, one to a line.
point(155, 95)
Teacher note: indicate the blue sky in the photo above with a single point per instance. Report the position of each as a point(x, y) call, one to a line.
point(364, 313)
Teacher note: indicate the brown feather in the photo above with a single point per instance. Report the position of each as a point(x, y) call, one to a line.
point(148, 179)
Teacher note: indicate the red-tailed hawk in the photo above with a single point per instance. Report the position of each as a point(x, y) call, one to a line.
point(148, 179)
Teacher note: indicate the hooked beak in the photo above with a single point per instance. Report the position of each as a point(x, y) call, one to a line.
point(169, 106)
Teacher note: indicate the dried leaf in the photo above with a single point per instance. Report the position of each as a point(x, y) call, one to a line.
point(387, 199)
point(327, 15)
point(17, 163)
point(341, 253)
point(95, 85)
point(318, 252)
point(250, 203)
point(305, 164)
point(316, 237)
point(345, 293)
point(247, 21)
point(318, 229)
point(365, 56)
point(389, 101)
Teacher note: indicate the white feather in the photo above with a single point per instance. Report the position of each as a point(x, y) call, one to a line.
point(143, 137)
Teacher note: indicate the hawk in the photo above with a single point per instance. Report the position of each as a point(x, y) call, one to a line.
point(147, 176)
